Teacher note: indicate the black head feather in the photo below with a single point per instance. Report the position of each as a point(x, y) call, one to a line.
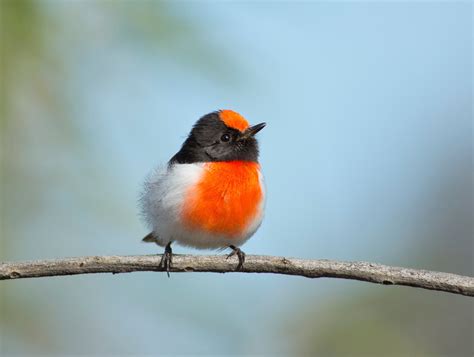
point(212, 140)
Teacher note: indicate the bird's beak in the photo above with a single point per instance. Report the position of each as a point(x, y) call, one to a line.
point(252, 131)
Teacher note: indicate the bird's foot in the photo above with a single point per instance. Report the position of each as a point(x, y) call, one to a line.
point(167, 259)
point(240, 255)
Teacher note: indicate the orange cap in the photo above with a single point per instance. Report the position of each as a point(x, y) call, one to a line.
point(233, 120)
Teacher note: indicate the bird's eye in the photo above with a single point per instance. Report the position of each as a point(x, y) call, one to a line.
point(225, 137)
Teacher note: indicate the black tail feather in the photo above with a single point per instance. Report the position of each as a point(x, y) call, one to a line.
point(150, 238)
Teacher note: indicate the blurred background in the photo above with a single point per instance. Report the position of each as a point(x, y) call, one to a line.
point(367, 155)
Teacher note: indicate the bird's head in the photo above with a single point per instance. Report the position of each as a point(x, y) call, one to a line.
point(220, 136)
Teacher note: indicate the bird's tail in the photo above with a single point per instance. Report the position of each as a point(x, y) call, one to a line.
point(150, 238)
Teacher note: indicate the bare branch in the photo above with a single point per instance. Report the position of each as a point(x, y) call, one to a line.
point(370, 272)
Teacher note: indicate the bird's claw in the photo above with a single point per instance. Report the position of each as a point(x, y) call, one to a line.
point(167, 259)
point(240, 255)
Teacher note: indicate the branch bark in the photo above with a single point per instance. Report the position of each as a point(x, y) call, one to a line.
point(369, 272)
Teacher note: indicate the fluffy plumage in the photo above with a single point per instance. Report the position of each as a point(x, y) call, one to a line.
point(211, 193)
point(172, 197)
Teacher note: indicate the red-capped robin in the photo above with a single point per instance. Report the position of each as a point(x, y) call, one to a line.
point(211, 193)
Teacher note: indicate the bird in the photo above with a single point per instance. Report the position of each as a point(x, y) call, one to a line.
point(211, 194)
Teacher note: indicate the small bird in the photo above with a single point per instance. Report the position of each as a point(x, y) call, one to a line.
point(211, 194)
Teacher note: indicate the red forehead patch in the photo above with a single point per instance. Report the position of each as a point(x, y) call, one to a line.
point(233, 120)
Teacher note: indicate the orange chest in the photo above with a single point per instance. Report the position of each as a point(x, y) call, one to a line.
point(226, 199)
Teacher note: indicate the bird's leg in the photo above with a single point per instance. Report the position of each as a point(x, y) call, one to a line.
point(167, 259)
point(240, 255)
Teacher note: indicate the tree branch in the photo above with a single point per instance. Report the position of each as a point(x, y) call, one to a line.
point(370, 272)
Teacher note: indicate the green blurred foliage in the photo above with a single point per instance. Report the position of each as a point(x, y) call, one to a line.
point(38, 121)
point(35, 73)
point(385, 322)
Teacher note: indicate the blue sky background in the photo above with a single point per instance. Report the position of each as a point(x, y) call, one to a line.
point(367, 155)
